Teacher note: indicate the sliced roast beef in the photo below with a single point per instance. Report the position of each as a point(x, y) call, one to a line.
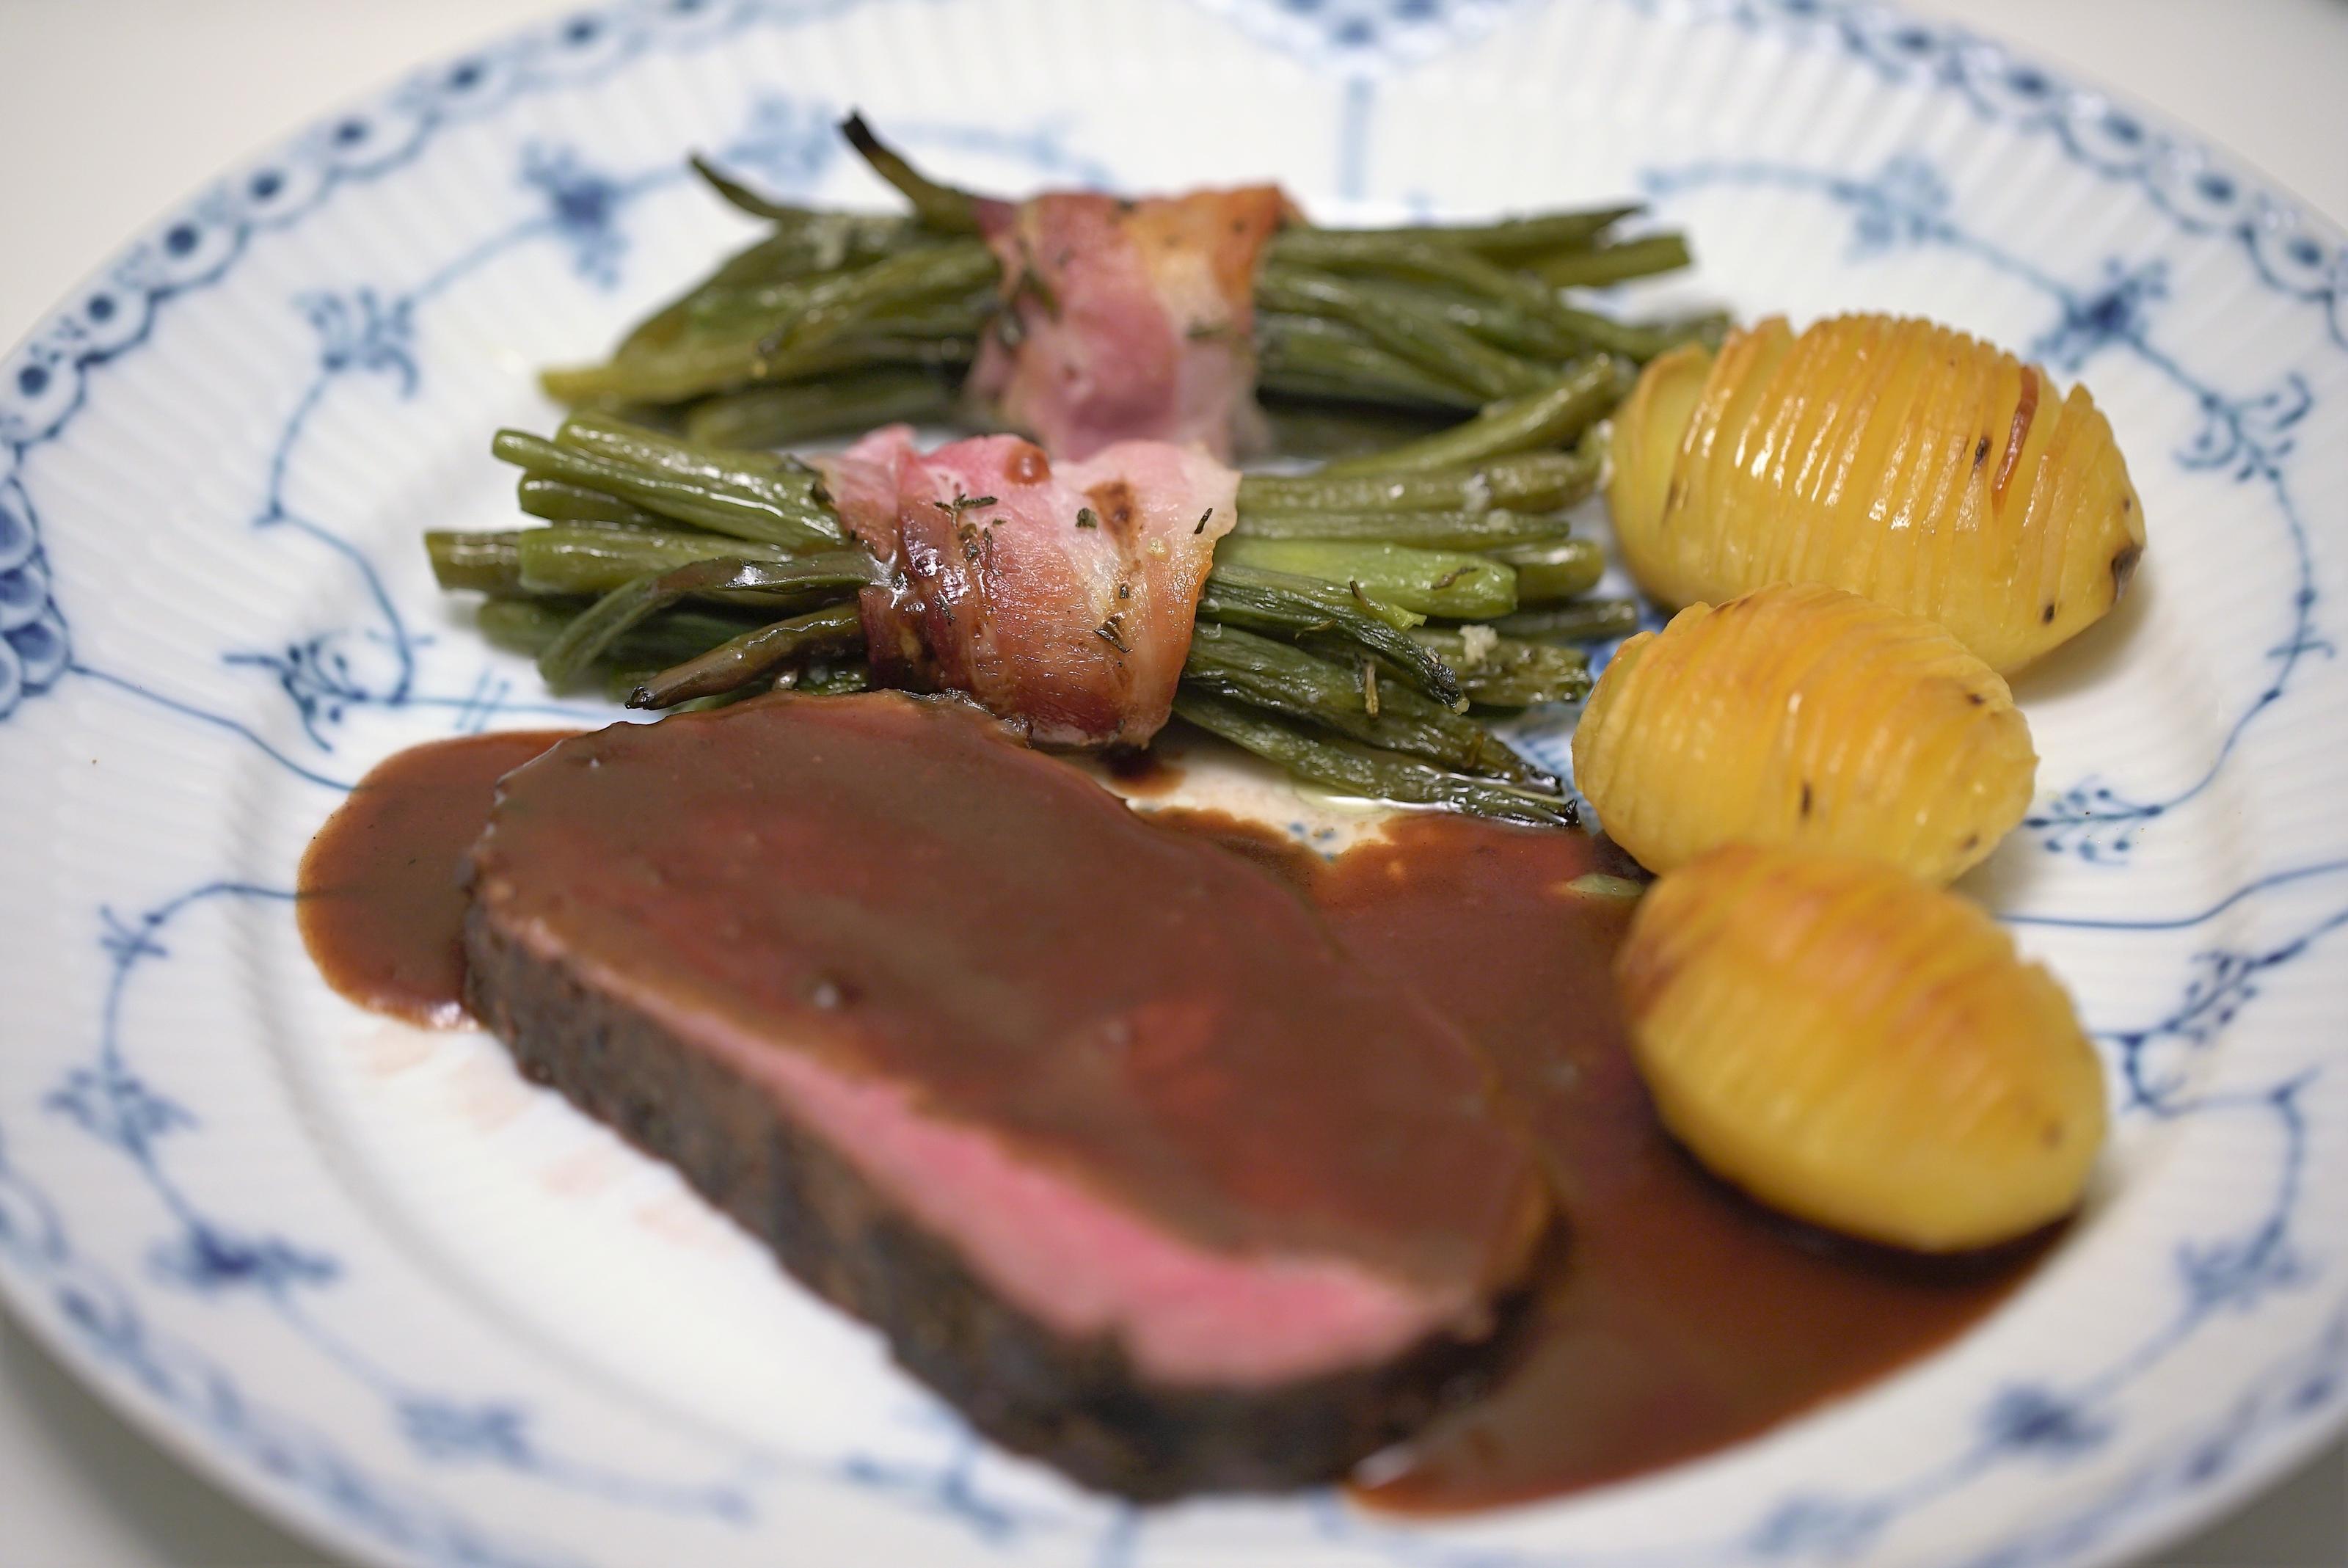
point(1095, 1122)
point(1127, 320)
point(1060, 595)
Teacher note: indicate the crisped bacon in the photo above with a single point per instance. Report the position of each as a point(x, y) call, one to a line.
point(1061, 597)
point(1127, 320)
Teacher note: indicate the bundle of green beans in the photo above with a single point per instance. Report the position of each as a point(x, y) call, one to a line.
point(1358, 623)
point(840, 321)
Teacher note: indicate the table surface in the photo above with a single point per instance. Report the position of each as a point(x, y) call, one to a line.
point(162, 94)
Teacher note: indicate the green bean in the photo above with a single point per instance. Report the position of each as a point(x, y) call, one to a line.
point(841, 300)
point(1595, 268)
point(939, 319)
point(1507, 329)
point(1544, 418)
point(1536, 324)
point(1312, 351)
point(530, 625)
point(738, 195)
point(1450, 267)
point(883, 344)
point(1343, 425)
point(700, 366)
point(659, 366)
point(1392, 254)
point(1279, 605)
point(482, 562)
point(1345, 697)
point(583, 560)
point(771, 416)
point(1319, 595)
point(620, 681)
point(1529, 305)
point(774, 517)
point(1590, 621)
point(1372, 774)
point(810, 243)
point(1422, 338)
point(524, 626)
point(777, 256)
point(1509, 672)
point(832, 238)
point(1529, 482)
point(1425, 582)
point(1632, 340)
point(1326, 342)
point(1310, 387)
point(753, 656)
point(939, 207)
point(654, 332)
point(558, 502)
point(822, 242)
point(1505, 237)
point(776, 309)
point(1422, 529)
point(784, 480)
point(817, 242)
point(1555, 569)
point(587, 638)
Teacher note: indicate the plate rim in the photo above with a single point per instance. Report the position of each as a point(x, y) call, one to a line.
point(291, 1506)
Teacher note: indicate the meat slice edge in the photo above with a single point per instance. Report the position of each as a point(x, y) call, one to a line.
point(1073, 1327)
point(1077, 1403)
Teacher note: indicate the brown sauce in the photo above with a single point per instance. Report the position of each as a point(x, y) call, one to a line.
point(1678, 1319)
point(1141, 771)
point(381, 894)
point(1681, 1318)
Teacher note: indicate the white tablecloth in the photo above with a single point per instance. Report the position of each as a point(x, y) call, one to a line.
point(116, 108)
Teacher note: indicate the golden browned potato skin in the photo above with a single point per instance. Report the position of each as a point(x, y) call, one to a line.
point(1889, 456)
point(1860, 1049)
point(1801, 715)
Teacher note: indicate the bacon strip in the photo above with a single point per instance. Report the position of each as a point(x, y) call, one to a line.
point(1127, 320)
point(1060, 597)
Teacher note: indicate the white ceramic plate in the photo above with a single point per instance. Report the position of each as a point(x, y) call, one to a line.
point(371, 1281)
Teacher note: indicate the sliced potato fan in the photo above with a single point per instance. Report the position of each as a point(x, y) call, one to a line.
point(1897, 459)
point(1802, 714)
point(1860, 1049)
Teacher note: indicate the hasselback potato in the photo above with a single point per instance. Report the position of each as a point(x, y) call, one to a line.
point(1860, 1049)
point(1897, 459)
point(1805, 716)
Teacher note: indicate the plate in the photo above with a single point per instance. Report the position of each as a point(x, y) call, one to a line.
point(371, 1281)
